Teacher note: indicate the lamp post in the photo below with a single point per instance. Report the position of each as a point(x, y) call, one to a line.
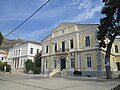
point(74, 61)
point(43, 65)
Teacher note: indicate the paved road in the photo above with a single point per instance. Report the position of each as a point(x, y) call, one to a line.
point(37, 82)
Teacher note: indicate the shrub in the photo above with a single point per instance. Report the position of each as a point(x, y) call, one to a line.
point(2, 65)
point(37, 59)
point(28, 65)
point(8, 68)
point(77, 73)
point(36, 70)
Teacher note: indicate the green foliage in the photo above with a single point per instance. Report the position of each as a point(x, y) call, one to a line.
point(28, 65)
point(8, 68)
point(109, 25)
point(37, 59)
point(37, 64)
point(36, 70)
point(2, 65)
point(1, 38)
point(34, 67)
point(109, 28)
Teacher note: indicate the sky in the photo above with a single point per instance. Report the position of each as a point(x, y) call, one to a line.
point(13, 12)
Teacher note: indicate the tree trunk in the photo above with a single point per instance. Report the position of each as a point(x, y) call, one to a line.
point(107, 62)
point(107, 58)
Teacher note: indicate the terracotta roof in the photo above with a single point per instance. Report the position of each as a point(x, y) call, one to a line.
point(3, 53)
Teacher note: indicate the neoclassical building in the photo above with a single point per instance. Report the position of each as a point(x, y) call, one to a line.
point(72, 46)
point(21, 52)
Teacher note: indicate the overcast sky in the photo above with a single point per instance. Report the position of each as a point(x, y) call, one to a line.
point(13, 12)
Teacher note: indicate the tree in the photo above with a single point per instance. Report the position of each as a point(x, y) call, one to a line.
point(37, 60)
point(29, 65)
point(109, 28)
point(1, 38)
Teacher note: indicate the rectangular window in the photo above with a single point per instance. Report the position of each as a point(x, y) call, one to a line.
point(63, 46)
point(89, 63)
point(37, 50)
point(46, 64)
point(116, 48)
point(87, 41)
point(14, 52)
point(71, 44)
point(24, 61)
point(118, 65)
point(62, 32)
point(72, 63)
point(2, 58)
point(55, 64)
point(19, 51)
point(55, 47)
point(46, 49)
point(31, 50)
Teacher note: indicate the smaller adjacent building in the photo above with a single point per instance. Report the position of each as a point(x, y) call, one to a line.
point(3, 55)
point(21, 52)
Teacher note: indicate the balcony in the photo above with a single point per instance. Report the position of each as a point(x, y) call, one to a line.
point(61, 52)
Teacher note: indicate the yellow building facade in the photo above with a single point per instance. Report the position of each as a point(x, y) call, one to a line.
point(72, 46)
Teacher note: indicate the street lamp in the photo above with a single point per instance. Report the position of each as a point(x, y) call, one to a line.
point(43, 65)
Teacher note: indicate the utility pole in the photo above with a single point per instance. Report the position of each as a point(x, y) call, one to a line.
point(43, 66)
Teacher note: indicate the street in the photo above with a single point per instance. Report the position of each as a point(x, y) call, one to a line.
point(37, 82)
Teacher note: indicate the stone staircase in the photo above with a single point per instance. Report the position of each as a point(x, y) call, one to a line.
point(60, 74)
point(57, 75)
point(54, 72)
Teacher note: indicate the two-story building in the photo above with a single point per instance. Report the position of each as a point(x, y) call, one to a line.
point(3, 55)
point(21, 52)
point(72, 46)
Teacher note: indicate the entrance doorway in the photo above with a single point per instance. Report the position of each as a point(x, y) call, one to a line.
point(118, 66)
point(62, 64)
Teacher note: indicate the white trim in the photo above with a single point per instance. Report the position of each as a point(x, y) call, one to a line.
point(66, 30)
point(78, 41)
point(59, 32)
point(76, 28)
point(78, 61)
point(52, 35)
point(69, 34)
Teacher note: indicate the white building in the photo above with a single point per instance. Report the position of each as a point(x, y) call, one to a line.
point(21, 52)
point(3, 55)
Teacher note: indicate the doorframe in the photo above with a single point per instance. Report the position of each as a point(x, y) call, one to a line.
point(61, 64)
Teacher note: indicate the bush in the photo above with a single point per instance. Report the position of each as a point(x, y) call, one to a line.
point(8, 68)
point(28, 65)
point(2, 65)
point(36, 70)
point(77, 73)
